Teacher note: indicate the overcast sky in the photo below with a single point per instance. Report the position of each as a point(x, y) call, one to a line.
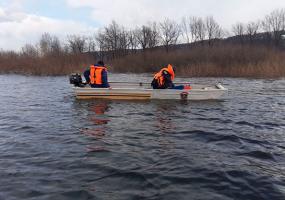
point(23, 21)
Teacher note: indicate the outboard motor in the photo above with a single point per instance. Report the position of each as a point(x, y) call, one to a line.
point(76, 80)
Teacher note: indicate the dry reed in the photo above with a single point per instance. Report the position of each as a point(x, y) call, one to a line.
point(221, 60)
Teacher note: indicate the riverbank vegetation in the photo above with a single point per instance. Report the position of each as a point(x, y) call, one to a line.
point(196, 46)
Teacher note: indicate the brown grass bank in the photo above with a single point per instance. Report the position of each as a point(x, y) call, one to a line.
point(221, 60)
point(204, 61)
point(50, 65)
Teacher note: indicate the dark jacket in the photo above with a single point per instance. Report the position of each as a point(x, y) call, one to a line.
point(168, 84)
point(104, 84)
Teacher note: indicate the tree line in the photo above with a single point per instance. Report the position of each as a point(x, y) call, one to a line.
point(115, 41)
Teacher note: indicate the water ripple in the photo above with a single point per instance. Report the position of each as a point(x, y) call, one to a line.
point(56, 147)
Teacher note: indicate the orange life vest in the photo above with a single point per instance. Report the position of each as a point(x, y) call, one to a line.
point(159, 76)
point(96, 74)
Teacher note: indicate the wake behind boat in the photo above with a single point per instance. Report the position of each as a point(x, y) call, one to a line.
point(142, 90)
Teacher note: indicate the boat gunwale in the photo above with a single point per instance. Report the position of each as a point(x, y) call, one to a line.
point(206, 89)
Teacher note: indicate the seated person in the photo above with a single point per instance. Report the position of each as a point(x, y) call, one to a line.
point(96, 76)
point(164, 79)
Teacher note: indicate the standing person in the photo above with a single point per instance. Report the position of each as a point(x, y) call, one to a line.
point(96, 76)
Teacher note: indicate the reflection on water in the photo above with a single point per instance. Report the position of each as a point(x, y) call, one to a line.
point(98, 121)
point(163, 118)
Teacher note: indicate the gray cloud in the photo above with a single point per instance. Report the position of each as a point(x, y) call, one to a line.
point(18, 27)
point(134, 12)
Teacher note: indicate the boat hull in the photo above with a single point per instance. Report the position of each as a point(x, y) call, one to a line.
point(125, 91)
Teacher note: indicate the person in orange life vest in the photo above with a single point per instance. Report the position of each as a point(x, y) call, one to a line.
point(164, 79)
point(96, 76)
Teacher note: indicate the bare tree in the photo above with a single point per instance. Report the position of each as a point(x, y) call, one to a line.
point(194, 28)
point(153, 35)
point(275, 23)
point(252, 29)
point(112, 34)
point(101, 43)
point(239, 30)
point(30, 51)
point(56, 48)
point(91, 44)
point(213, 29)
point(132, 40)
point(113, 39)
point(124, 42)
point(201, 29)
point(170, 31)
point(45, 44)
point(77, 43)
point(142, 35)
point(186, 28)
point(50, 45)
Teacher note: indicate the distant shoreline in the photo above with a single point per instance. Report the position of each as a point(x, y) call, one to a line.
point(221, 60)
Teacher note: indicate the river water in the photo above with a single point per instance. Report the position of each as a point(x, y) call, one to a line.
point(53, 146)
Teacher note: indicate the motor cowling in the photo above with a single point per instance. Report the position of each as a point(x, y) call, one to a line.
point(76, 80)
